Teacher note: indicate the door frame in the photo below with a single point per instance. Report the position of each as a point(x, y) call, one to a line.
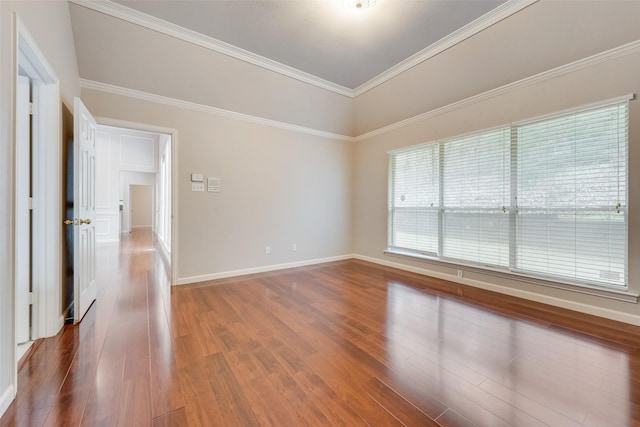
point(47, 183)
point(105, 121)
point(47, 319)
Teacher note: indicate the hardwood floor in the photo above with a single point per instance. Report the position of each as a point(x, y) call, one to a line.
point(341, 344)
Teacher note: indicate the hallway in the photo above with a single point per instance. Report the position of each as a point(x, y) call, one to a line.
point(116, 367)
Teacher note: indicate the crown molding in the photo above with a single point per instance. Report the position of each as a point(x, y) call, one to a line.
point(173, 102)
point(119, 11)
point(617, 52)
point(485, 21)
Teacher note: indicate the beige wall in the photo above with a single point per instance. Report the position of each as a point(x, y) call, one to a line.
point(595, 83)
point(137, 58)
point(261, 168)
point(326, 195)
point(278, 187)
point(141, 205)
point(543, 36)
point(49, 24)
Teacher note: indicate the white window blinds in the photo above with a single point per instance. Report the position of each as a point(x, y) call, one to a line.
point(546, 198)
point(475, 222)
point(571, 195)
point(415, 200)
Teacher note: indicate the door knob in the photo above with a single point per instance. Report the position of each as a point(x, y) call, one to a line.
point(85, 221)
point(67, 222)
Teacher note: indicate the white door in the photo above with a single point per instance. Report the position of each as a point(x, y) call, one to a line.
point(23, 213)
point(84, 209)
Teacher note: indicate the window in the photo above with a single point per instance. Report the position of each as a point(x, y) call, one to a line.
point(545, 198)
point(415, 200)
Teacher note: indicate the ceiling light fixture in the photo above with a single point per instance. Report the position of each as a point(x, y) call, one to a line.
point(359, 5)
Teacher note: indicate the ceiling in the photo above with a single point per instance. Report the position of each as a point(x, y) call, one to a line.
point(321, 37)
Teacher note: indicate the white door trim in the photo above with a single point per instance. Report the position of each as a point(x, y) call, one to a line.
point(47, 189)
point(105, 121)
point(47, 186)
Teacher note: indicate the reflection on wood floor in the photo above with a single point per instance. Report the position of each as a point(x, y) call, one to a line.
point(347, 343)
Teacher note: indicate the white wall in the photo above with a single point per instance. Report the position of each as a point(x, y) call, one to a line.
point(119, 149)
point(49, 24)
point(107, 187)
point(163, 217)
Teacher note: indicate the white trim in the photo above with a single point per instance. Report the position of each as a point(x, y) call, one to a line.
point(108, 213)
point(573, 110)
point(164, 249)
point(6, 398)
point(505, 126)
point(263, 269)
point(147, 21)
point(45, 170)
point(602, 292)
point(519, 293)
point(47, 188)
point(43, 71)
point(492, 17)
point(119, 11)
point(446, 140)
point(173, 102)
point(617, 52)
point(47, 219)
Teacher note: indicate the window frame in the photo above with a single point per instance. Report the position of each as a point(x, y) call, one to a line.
point(512, 270)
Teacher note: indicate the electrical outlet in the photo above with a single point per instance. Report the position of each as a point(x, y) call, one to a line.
point(294, 247)
point(267, 250)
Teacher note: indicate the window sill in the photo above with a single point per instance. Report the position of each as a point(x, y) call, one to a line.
point(602, 292)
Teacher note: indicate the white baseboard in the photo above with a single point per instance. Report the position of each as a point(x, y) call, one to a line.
point(264, 269)
point(531, 296)
point(519, 293)
point(6, 398)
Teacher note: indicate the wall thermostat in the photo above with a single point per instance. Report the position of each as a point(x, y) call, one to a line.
point(213, 185)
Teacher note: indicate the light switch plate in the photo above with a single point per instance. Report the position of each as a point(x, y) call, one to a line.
point(197, 186)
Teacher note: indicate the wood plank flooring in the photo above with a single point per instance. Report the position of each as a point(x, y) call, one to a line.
point(341, 344)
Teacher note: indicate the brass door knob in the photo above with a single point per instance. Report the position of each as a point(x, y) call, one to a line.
point(67, 222)
point(85, 221)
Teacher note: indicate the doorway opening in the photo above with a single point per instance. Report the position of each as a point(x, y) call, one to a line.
point(134, 183)
point(141, 206)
